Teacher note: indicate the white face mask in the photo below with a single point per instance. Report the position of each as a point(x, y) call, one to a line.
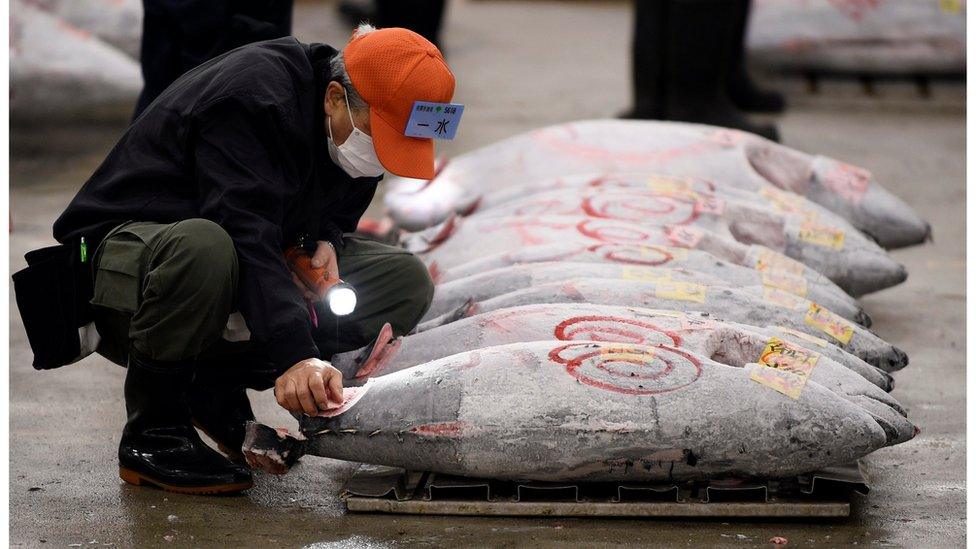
point(356, 156)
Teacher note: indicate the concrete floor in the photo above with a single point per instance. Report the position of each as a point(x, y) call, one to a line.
point(519, 65)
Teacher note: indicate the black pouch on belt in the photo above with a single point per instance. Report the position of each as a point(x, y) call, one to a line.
point(53, 295)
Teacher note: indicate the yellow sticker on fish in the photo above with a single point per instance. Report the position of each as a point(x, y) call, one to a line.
point(768, 260)
point(951, 6)
point(821, 235)
point(796, 285)
point(644, 274)
point(683, 291)
point(805, 337)
point(789, 203)
point(668, 184)
point(780, 357)
point(829, 323)
point(781, 298)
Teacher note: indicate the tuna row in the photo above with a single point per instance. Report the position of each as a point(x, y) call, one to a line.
point(633, 302)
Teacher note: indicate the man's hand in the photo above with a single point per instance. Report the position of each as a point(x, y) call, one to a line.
point(310, 386)
point(324, 256)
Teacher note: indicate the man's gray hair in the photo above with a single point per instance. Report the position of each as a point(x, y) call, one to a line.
point(338, 67)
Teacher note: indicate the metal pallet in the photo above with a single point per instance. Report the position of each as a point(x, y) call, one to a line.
point(828, 493)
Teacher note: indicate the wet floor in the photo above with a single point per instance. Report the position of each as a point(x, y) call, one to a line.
point(518, 66)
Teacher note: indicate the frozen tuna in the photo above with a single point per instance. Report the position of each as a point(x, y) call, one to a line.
point(791, 277)
point(821, 244)
point(117, 22)
point(726, 342)
point(774, 308)
point(729, 157)
point(60, 71)
point(450, 295)
point(585, 411)
point(458, 241)
point(893, 36)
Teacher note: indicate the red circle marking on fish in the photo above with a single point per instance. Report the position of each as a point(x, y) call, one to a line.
point(613, 329)
point(634, 208)
point(641, 371)
point(611, 232)
point(635, 255)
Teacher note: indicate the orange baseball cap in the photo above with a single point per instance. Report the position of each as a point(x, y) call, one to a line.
point(391, 68)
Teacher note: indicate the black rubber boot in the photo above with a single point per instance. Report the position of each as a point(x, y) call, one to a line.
point(159, 446)
point(698, 61)
point(647, 59)
point(219, 405)
point(742, 91)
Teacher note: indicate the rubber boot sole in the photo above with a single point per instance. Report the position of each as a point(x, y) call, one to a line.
point(138, 479)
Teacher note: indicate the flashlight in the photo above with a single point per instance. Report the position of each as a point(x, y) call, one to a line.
point(339, 295)
point(341, 298)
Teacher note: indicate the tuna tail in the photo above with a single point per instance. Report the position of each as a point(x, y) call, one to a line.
point(271, 450)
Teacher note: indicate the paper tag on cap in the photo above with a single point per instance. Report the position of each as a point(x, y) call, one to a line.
point(434, 120)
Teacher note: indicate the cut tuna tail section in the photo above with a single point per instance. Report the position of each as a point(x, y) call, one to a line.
point(271, 450)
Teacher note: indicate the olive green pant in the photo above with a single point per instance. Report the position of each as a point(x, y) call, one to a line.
point(167, 291)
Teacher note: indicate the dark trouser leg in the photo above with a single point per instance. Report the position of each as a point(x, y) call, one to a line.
point(647, 59)
point(175, 284)
point(392, 285)
point(698, 62)
point(743, 93)
point(421, 16)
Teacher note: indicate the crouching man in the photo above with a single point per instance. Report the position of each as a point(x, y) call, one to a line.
point(188, 219)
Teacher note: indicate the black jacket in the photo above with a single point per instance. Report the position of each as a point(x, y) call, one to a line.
point(239, 140)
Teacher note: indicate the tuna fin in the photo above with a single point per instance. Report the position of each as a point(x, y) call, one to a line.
point(470, 208)
point(468, 308)
point(428, 239)
point(435, 272)
point(382, 230)
point(375, 356)
point(271, 450)
point(367, 361)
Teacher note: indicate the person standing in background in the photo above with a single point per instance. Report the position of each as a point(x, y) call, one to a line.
point(178, 35)
point(423, 17)
point(689, 65)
